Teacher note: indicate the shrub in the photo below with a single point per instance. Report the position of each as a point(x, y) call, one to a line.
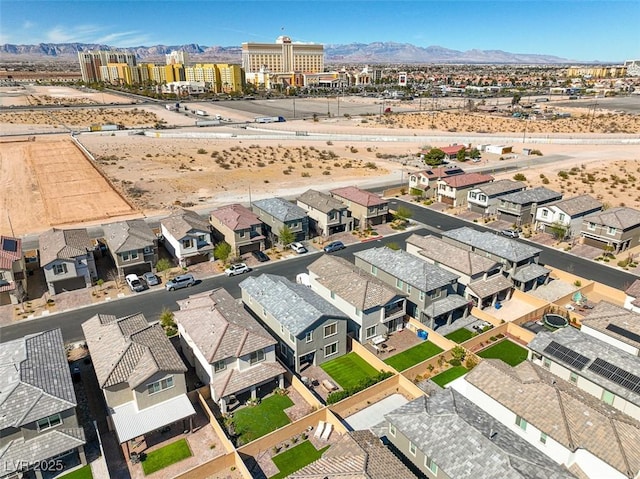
point(354, 149)
point(337, 396)
point(305, 174)
point(519, 177)
point(202, 151)
point(371, 165)
point(455, 362)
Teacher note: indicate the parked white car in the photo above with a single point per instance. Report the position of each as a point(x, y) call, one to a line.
point(235, 269)
point(134, 283)
point(298, 247)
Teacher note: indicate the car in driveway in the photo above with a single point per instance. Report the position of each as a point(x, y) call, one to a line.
point(511, 233)
point(298, 247)
point(235, 269)
point(334, 246)
point(151, 279)
point(261, 256)
point(134, 283)
point(179, 282)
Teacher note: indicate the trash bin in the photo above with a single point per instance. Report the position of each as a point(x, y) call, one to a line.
point(422, 334)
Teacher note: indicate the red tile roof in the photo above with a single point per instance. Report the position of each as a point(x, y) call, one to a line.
point(468, 179)
point(9, 255)
point(452, 150)
point(236, 217)
point(358, 196)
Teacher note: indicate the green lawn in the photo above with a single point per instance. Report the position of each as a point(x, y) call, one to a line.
point(254, 422)
point(509, 352)
point(449, 375)
point(165, 456)
point(296, 458)
point(413, 356)
point(460, 335)
point(83, 473)
point(349, 370)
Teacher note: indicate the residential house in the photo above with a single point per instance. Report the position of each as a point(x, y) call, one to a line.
point(357, 454)
point(484, 198)
point(187, 236)
point(632, 300)
point(450, 152)
point(368, 209)
point(67, 259)
point(239, 227)
point(575, 429)
point(426, 180)
point(480, 279)
point(38, 422)
point(133, 246)
point(615, 228)
point(594, 365)
point(566, 215)
point(228, 348)
point(309, 329)
point(615, 325)
point(445, 435)
point(454, 190)
point(374, 308)
point(276, 213)
point(13, 278)
point(431, 291)
point(519, 260)
point(140, 373)
point(327, 215)
point(520, 207)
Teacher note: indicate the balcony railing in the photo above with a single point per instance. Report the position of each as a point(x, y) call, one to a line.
point(393, 310)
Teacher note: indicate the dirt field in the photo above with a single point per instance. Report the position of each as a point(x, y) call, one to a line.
point(49, 182)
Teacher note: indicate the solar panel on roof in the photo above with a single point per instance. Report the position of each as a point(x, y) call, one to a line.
point(566, 355)
point(617, 375)
point(624, 332)
point(9, 244)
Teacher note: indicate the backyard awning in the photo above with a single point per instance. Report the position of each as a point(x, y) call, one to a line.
point(131, 422)
point(485, 288)
point(530, 272)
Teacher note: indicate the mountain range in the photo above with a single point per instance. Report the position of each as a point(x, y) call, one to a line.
point(377, 52)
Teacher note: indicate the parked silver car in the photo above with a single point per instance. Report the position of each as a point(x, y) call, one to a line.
point(182, 281)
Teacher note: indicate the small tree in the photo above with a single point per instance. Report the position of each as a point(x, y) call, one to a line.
point(286, 236)
point(163, 265)
point(222, 251)
point(458, 353)
point(558, 230)
point(403, 213)
point(393, 245)
point(461, 155)
point(474, 153)
point(167, 322)
point(434, 157)
point(519, 177)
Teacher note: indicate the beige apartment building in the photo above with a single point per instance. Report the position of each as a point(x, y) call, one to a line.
point(283, 56)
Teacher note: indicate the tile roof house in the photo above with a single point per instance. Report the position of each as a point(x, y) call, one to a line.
point(614, 325)
point(453, 190)
point(38, 419)
point(558, 418)
point(426, 180)
point(229, 349)
point(446, 435)
point(374, 308)
point(432, 292)
point(327, 215)
point(67, 259)
point(187, 236)
point(239, 227)
point(308, 328)
point(480, 278)
point(140, 373)
point(133, 246)
point(567, 214)
point(632, 301)
point(368, 209)
point(519, 260)
point(594, 365)
point(484, 198)
point(13, 277)
point(357, 455)
point(276, 213)
point(520, 207)
point(618, 228)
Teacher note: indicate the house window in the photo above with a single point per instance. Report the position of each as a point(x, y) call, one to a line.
point(374, 270)
point(607, 397)
point(573, 377)
point(256, 356)
point(543, 438)
point(330, 349)
point(219, 366)
point(421, 295)
point(129, 255)
point(330, 330)
point(333, 295)
point(399, 283)
point(473, 195)
point(370, 332)
point(521, 423)
point(436, 293)
point(332, 216)
point(611, 230)
point(201, 238)
point(59, 268)
point(309, 336)
point(392, 430)
point(561, 217)
point(591, 226)
point(147, 249)
point(482, 198)
point(186, 243)
point(49, 422)
point(241, 234)
point(358, 312)
point(545, 213)
point(292, 338)
point(161, 385)
point(408, 288)
point(546, 362)
point(433, 467)
point(412, 448)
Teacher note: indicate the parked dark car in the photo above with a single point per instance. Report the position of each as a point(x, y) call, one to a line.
point(261, 256)
point(334, 246)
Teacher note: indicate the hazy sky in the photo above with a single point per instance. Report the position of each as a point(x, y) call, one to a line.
point(574, 29)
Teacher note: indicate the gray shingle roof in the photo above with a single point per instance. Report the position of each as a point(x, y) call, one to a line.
point(578, 205)
point(493, 243)
point(622, 218)
point(63, 244)
point(466, 442)
point(356, 455)
point(280, 209)
point(35, 380)
point(605, 313)
point(490, 286)
point(406, 267)
point(321, 201)
point(530, 272)
point(235, 381)
point(129, 350)
point(128, 235)
point(358, 196)
point(501, 187)
point(565, 413)
point(592, 348)
point(534, 195)
point(184, 222)
point(293, 305)
point(356, 287)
